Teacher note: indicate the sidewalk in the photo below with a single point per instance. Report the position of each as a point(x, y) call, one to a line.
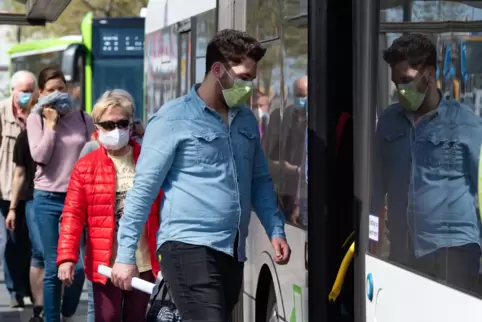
point(17, 315)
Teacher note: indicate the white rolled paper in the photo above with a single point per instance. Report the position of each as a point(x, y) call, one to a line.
point(137, 283)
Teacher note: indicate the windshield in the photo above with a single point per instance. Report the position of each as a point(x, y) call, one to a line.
point(127, 74)
point(36, 62)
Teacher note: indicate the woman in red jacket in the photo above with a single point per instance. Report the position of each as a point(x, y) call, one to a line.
point(95, 196)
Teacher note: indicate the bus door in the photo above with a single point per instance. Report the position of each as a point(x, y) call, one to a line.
point(419, 248)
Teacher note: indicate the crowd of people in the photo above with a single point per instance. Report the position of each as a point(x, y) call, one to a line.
point(78, 191)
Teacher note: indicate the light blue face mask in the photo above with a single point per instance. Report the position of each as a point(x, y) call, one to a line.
point(300, 102)
point(23, 99)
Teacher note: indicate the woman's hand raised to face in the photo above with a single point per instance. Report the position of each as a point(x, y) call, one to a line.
point(51, 117)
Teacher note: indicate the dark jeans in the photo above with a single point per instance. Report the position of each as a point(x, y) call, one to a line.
point(113, 304)
point(205, 283)
point(456, 266)
point(48, 207)
point(17, 252)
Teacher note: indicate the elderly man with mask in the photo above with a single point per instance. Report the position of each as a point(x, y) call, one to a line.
point(15, 243)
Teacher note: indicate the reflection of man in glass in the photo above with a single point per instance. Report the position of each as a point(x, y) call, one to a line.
point(428, 153)
point(261, 111)
point(284, 146)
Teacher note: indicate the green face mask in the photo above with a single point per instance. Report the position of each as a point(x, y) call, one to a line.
point(409, 96)
point(239, 94)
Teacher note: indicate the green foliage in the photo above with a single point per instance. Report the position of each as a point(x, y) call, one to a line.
point(69, 22)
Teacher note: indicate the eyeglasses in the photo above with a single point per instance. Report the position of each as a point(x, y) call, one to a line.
point(111, 125)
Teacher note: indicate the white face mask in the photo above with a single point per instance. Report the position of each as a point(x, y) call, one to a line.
point(115, 139)
point(261, 113)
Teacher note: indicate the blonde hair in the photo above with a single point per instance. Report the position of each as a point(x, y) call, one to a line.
point(114, 98)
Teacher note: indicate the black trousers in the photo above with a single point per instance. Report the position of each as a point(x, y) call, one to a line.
point(205, 284)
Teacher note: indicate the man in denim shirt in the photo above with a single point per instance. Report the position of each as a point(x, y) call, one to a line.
point(204, 151)
point(428, 154)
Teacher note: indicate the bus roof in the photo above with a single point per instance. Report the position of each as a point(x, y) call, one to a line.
point(44, 45)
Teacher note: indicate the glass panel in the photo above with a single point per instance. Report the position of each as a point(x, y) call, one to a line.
point(417, 11)
point(35, 63)
point(427, 158)
point(263, 19)
point(281, 112)
point(161, 65)
point(184, 61)
point(205, 30)
point(124, 74)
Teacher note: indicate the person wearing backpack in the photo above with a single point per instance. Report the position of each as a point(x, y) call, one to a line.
point(57, 132)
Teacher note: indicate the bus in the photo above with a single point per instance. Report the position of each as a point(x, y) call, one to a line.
point(327, 199)
point(177, 34)
point(108, 54)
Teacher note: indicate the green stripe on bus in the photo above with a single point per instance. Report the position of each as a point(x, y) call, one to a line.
point(40, 45)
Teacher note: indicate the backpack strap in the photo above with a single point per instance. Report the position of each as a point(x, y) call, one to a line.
point(87, 136)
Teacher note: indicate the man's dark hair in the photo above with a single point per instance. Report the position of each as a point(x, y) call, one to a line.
point(232, 46)
point(416, 49)
point(49, 73)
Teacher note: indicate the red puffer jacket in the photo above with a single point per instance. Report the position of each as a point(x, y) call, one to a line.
point(90, 199)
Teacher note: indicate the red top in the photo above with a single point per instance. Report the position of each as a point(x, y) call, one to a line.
point(90, 199)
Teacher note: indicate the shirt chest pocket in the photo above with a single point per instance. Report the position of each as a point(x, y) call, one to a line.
point(211, 147)
point(246, 143)
point(395, 146)
point(442, 154)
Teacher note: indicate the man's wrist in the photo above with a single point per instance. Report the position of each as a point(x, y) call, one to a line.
point(126, 256)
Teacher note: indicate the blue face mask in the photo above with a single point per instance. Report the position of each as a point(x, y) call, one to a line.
point(300, 102)
point(24, 99)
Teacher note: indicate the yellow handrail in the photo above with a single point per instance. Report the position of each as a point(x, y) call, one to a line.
point(340, 277)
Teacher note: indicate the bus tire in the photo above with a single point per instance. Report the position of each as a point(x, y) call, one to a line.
point(272, 306)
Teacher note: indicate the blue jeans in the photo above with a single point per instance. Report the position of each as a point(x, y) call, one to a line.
point(37, 259)
point(90, 303)
point(17, 252)
point(90, 292)
point(48, 208)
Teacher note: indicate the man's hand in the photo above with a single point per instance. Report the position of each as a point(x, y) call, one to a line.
point(282, 250)
point(122, 275)
point(66, 273)
point(10, 221)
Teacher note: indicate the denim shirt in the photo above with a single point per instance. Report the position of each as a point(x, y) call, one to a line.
point(429, 173)
point(211, 174)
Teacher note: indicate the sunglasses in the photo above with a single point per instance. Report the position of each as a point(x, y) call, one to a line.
point(111, 125)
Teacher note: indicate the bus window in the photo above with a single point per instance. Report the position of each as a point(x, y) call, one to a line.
point(184, 59)
point(205, 30)
point(425, 188)
point(36, 62)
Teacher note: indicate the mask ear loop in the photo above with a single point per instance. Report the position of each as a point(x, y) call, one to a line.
point(219, 78)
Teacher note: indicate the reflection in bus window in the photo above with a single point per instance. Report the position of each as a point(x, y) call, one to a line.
point(427, 158)
point(284, 137)
point(421, 11)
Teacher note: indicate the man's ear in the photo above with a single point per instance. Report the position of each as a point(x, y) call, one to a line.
point(217, 69)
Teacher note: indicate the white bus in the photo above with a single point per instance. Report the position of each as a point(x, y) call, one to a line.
point(177, 33)
point(338, 46)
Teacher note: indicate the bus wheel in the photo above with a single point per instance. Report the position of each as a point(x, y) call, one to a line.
point(272, 307)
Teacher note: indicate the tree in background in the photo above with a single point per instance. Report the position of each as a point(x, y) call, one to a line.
point(69, 22)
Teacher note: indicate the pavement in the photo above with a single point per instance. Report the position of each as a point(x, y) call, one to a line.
point(8, 314)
